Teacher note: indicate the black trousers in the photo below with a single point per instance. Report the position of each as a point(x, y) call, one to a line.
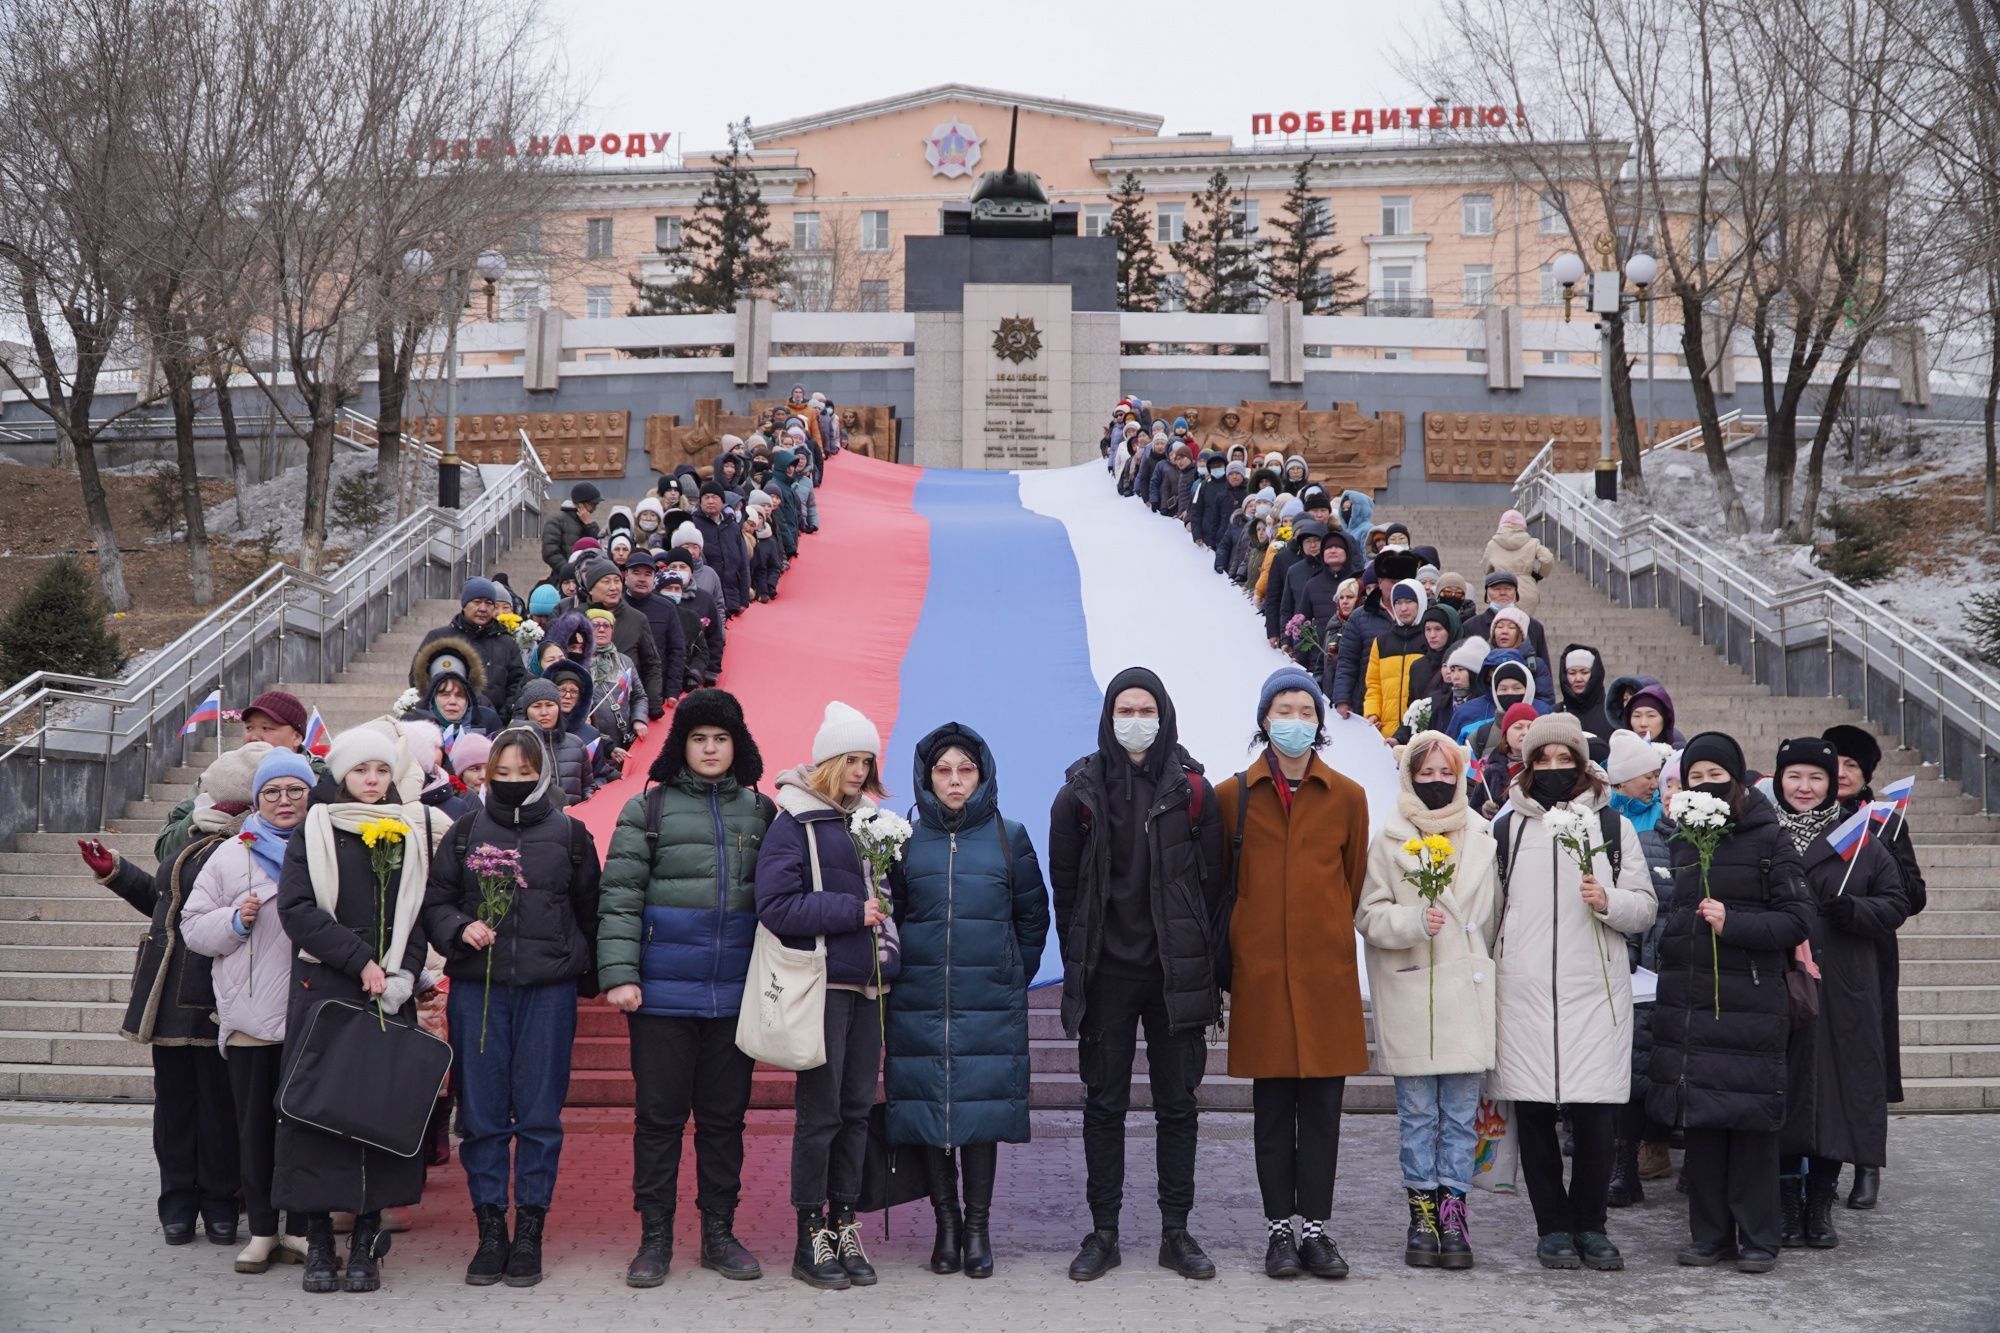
point(682, 1066)
point(1732, 1177)
point(1114, 1010)
point(1296, 1124)
point(1580, 1207)
point(830, 1129)
point(253, 1087)
point(194, 1134)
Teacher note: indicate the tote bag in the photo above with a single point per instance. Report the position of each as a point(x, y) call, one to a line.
point(359, 1080)
point(1496, 1162)
point(782, 1021)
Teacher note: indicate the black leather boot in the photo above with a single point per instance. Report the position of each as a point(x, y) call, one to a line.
point(814, 1260)
point(948, 1250)
point(1420, 1245)
point(1097, 1256)
point(847, 1246)
point(1792, 1206)
point(1183, 1253)
point(365, 1248)
point(524, 1261)
point(1454, 1238)
point(1625, 1187)
point(322, 1268)
point(656, 1249)
point(1867, 1185)
point(981, 1163)
point(489, 1261)
point(1820, 1190)
point(722, 1253)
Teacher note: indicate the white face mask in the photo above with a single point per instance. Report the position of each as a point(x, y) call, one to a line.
point(1136, 734)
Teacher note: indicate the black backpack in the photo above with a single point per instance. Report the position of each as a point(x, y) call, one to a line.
point(461, 840)
point(656, 797)
point(1505, 835)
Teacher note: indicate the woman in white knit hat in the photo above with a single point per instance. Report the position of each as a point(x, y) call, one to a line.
point(827, 890)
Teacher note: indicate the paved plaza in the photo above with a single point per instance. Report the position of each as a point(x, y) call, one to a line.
point(79, 1250)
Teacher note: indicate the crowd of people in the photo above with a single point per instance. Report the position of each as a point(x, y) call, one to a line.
point(429, 874)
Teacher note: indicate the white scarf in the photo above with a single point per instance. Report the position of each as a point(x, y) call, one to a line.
point(349, 816)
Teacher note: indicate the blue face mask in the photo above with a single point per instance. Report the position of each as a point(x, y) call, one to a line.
point(1293, 736)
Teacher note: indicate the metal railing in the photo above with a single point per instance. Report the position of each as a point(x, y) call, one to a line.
point(1818, 639)
point(77, 747)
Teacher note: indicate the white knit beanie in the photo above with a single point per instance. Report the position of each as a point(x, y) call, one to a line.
point(355, 746)
point(1631, 757)
point(1471, 654)
point(1516, 615)
point(687, 534)
point(845, 730)
point(1579, 659)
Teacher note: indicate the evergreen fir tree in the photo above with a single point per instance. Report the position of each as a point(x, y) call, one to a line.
point(726, 246)
point(1138, 261)
point(59, 625)
point(1302, 255)
point(1219, 267)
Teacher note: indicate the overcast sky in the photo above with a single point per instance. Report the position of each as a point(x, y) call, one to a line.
point(691, 68)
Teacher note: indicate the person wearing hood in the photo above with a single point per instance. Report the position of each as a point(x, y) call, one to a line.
point(1430, 960)
point(1504, 681)
point(498, 653)
point(801, 484)
point(512, 1003)
point(1838, 1108)
point(1439, 624)
point(576, 694)
point(569, 525)
point(1135, 862)
point(1859, 755)
point(1564, 1032)
point(722, 542)
point(649, 523)
point(1500, 747)
point(1515, 550)
point(1296, 475)
point(701, 616)
point(1392, 657)
point(1318, 597)
point(705, 594)
point(1719, 1032)
point(1296, 867)
point(973, 914)
point(1582, 692)
point(453, 679)
point(1508, 628)
point(1503, 589)
point(1294, 528)
point(1357, 514)
point(1618, 694)
point(767, 563)
point(1649, 711)
point(829, 890)
point(676, 924)
point(335, 909)
point(1221, 491)
point(604, 587)
point(571, 765)
point(1309, 536)
point(1372, 618)
point(1458, 683)
point(1640, 1152)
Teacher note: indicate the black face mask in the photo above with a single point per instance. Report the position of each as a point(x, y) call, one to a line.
point(1505, 701)
point(513, 793)
point(1551, 786)
point(1719, 790)
point(1435, 795)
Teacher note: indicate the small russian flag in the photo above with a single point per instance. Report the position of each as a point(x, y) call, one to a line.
point(590, 750)
point(1899, 792)
point(1881, 811)
point(317, 741)
point(208, 710)
point(1852, 835)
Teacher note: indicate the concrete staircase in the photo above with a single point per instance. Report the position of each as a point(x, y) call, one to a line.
point(67, 945)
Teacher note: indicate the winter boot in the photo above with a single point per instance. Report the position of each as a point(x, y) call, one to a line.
point(1597, 1251)
point(322, 1268)
point(847, 1245)
point(722, 1253)
point(1820, 1190)
point(365, 1247)
point(814, 1260)
point(1097, 1256)
point(948, 1250)
point(1420, 1249)
point(1625, 1187)
point(1454, 1234)
point(656, 1249)
point(524, 1261)
point(982, 1162)
point(1867, 1187)
point(1656, 1161)
point(257, 1255)
point(489, 1261)
point(1792, 1204)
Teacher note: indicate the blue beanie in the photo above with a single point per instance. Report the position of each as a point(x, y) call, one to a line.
point(282, 764)
point(1180, 423)
point(1289, 678)
point(542, 601)
point(476, 588)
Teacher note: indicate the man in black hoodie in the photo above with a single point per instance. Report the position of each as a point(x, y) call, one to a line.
point(1135, 864)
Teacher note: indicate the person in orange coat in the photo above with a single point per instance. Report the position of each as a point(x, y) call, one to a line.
point(1295, 993)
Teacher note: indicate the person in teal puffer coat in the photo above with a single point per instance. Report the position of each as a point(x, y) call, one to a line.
point(676, 921)
point(973, 913)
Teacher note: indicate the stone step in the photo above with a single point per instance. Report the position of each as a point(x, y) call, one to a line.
point(1982, 969)
point(1947, 999)
point(67, 987)
point(123, 934)
point(41, 1016)
point(1950, 1094)
point(68, 958)
point(101, 1049)
point(76, 1083)
point(1959, 1061)
point(62, 863)
point(105, 907)
point(137, 844)
point(1948, 1029)
point(1926, 948)
point(1936, 921)
point(73, 881)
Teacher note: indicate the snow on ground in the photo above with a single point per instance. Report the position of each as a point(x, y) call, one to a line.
point(281, 503)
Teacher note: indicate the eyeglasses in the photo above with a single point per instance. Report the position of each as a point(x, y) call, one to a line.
point(283, 795)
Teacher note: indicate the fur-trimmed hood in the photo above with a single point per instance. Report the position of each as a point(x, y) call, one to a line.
point(449, 656)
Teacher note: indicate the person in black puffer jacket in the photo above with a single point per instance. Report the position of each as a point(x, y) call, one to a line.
point(1580, 692)
point(515, 978)
point(1722, 1020)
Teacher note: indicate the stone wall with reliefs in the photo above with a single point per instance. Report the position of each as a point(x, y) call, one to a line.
point(572, 445)
point(1343, 447)
point(1495, 446)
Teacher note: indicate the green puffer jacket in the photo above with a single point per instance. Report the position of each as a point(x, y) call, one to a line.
point(678, 921)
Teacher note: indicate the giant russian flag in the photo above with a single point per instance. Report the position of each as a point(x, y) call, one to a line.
point(1005, 601)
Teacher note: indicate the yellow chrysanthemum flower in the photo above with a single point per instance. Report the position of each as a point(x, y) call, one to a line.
point(383, 830)
point(1438, 846)
point(508, 621)
point(1413, 846)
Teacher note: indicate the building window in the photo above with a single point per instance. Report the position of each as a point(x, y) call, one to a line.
point(1552, 223)
point(667, 233)
point(528, 240)
point(1173, 223)
point(1477, 211)
point(1398, 282)
point(1097, 219)
point(1555, 358)
point(597, 238)
point(1243, 220)
point(597, 303)
point(1479, 284)
point(875, 230)
point(519, 299)
point(805, 231)
point(1173, 292)
point(872, 294)
point(1706, 242)
point(1396, 219)
point(1319, 214)
point(1552, 292)
point(1395, 354)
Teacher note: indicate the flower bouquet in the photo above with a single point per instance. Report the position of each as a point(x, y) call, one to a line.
point(1417, 717)
point(407, 701)
point(527, 634)
point(1575, 831)
point(1431, 878)
point(498, 871)
point(1703, 823)
point(879, 836)
point(384, 839)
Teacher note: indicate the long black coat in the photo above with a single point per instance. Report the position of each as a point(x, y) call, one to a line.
point(1727, 1070)
point(1838, 1106)
point(1888, 957)
point(173, 1000)
point(316, 1172)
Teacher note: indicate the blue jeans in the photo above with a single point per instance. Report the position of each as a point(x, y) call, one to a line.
point(515, 1089)
point(1435, 1114)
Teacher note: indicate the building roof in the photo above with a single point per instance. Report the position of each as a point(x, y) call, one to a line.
point(956, 92)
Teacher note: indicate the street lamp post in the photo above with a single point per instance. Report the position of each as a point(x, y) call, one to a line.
point(491, 266)
point(1607, 300)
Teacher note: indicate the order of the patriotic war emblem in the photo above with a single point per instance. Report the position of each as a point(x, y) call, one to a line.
point(1017, 340)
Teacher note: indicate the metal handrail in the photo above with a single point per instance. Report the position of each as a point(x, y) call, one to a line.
point(1922, 671)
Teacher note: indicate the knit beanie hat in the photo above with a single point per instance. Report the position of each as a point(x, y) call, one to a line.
point(1409, 590)
point(845, 730)
point(476, 587)
point(1288, 678)
point(470, 751)
point(584, 493)
point(596, 569)
point(1631, 757)
point(687, 534)
point(1715, 747)
point(1814, 750)
point(538, 690)
point(1291, 508)
point(599, 613)
point(279, 707)
point(1516, 617)
point(1470, 655)
point(1513, 518)
point(1557, 729)
point(543, 599)
point(621, 538)
point(282, 764)
point(1577, 659)
point(230, 779)
point(355, 746)
point(1851, 742)
point(1517, 713)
